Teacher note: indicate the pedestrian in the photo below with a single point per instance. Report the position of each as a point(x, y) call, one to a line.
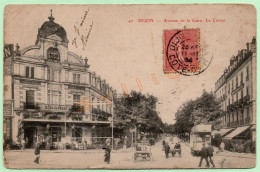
point(166, 149)
point(107, 149)
point(7, 143)
point(117, 140)
point(163, 144)
point(23, 143)
point(125, 143)
point(210, 154)
point(204, 155)
point(222, 146)
point(37, 152)
point(177, 149)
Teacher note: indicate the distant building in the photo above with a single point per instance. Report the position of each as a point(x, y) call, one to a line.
point(236, 90)
point(53, 96)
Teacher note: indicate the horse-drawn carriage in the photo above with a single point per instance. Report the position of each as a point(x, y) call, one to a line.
point(143, 151)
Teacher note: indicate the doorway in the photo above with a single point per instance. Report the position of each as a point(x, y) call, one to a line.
point(30, 136)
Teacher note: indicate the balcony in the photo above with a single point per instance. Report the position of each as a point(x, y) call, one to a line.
point(100, 115)
point(55, 107)
point(33, 106)
point(45, 107)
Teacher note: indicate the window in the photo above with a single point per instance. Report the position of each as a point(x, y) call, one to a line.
point(76, 78)
point(76, 99)
point(98, 101)
point(247, 91)
point(232, 85)
point(93, 101)
point(236, 81)
point(28, 73)
point(30, 98)
point(54, 97)
point(32, 72)
point(53, 75)
point(241, 77)
point(242, 94)
point(247, 73)
point(228, 87)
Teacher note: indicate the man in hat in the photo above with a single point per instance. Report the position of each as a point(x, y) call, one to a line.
point(37, 152)
point(166, 149)
point(210, 154)
point(204, 155)
point(107, 149)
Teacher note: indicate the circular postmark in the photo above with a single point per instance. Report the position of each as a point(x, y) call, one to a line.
point(183, 53)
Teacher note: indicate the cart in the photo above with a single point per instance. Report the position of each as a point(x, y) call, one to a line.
point(143, 152)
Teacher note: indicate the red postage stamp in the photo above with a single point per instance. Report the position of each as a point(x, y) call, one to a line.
point(181, 51)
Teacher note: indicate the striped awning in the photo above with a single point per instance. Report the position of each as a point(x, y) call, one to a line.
point(222, 131)
point(236, 132)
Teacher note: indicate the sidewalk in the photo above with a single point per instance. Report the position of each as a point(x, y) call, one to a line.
point(128, 150)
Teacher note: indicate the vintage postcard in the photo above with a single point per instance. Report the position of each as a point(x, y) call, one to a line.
point(159, 86)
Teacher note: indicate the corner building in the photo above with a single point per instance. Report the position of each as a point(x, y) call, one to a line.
point(236, 90)
point(57, 99)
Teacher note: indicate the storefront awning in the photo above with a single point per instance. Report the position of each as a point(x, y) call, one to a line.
point(222, 131)
point(236, 132)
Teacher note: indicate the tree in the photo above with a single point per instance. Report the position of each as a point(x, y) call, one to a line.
point(137, 110)
point(204, 110)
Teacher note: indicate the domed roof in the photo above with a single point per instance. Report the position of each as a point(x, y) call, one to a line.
point(50, 28)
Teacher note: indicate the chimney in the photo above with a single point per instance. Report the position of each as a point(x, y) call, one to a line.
point(253, 45)
point(247, 47)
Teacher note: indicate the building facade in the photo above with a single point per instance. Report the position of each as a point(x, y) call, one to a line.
point(57, 100)
point(236, 90)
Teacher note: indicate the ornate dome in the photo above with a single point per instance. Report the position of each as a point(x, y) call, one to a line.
point(50, 28)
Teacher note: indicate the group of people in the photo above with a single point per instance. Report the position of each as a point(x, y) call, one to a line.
point(107, 149)
point(173, 148)
point(207, 154)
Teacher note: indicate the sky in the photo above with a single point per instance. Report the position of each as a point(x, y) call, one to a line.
point(122, 50)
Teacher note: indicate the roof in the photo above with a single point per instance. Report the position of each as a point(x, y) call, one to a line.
point(201, 128)
point(51, 28)
point(236, 132)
